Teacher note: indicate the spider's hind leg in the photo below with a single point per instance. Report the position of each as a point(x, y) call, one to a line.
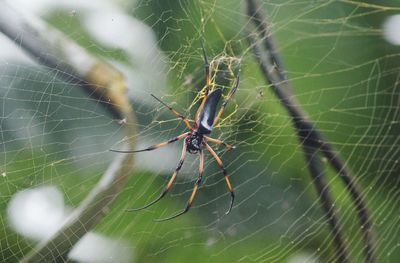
point(227, 99)
point(207, 81)
point(206, 65)
point(183, 118)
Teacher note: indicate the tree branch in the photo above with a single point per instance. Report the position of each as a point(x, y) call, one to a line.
point(52, 49)
point(271, 65)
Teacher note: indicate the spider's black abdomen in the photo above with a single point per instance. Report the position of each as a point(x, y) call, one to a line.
point(194, 142)
point(206, 118)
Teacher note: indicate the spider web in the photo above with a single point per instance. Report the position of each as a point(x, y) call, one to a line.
point(55, 139)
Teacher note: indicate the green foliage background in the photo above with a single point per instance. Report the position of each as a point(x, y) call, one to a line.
point(343, 73)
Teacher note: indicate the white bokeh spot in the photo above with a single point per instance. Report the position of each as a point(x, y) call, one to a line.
point(95, 248)
point(391, 29)
point(38, 212)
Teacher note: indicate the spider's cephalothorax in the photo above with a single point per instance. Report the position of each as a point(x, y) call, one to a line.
point(196, 139)
point(193, 142)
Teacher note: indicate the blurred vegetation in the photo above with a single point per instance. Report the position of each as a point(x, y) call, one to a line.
point(344, 75)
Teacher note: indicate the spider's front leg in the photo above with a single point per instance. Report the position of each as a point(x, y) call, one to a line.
point(194, 192)
point(171, 181)
point(225, 173)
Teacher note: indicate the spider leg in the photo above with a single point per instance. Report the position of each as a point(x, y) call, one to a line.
point(228, 146)
point(166, 189)
point(155, 146)
point(196, 187)
point(207, 81)
point(206, 65)
point(221, 166)
point(227, 99)
point(183, 118)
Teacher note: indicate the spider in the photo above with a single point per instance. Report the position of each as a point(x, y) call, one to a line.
point(196, 139)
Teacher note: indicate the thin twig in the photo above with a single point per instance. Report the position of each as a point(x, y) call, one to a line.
point(271, 65)
point(52, 49)
point(318, 175)
point(364, 217)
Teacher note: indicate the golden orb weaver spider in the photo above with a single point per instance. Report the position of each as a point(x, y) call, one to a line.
point(196, 139)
